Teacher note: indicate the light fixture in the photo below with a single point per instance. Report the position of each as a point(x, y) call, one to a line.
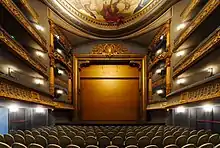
point(38, 81)
point(180, 109)
point(59, 91)
point(40, 54)
point(180, 53)
point(161, 37)
point(158, 71)
point(159, 51)
point(39, 110)
point(207, 107)
point(12, 37)
point(181, 26)
point(160, 91)
point(10, 70)
point(39, 27)
point(13, 108)
point(181, 81)
point(59, 51)
point(210, 70)
point(61, 72)
point(57, 36)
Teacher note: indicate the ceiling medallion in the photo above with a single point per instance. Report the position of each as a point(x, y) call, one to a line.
point(109, 49)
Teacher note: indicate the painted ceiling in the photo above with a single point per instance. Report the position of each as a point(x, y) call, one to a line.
point(109, 18)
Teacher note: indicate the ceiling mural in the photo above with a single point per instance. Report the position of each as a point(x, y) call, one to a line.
point(109, 18)
point(111, 11)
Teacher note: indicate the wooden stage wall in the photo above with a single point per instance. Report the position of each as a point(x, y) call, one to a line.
point(109, 93)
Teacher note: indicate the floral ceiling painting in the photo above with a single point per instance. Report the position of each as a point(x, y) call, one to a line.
point(111, 11)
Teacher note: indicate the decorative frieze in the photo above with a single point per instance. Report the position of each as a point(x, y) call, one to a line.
point(200, 17)
point(14, 10)
point(9, 90)
point(204, 48)
point(15, 47)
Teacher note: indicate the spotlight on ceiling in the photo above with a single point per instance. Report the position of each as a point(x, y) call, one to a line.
point(59, 91)
point(207, 107)
point(39, 27)
point(180, 109)
point(181, 81)
point(40, 110)
point(181, 26)
point(180, 53)
point(38, 81)
point(160, 91)
point(13, 108)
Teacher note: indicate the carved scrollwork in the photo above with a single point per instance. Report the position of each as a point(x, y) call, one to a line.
point(109, 49)
point(158, 82)
point(158, 58)
point(60, 58)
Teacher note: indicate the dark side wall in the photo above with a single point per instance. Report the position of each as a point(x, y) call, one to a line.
point(159, 116)
point(197, 118)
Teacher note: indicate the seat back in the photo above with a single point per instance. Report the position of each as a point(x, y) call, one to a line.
point(132, 146)
point(168, 140)
point(35, 145)
point(41, 140)
point(181, 140)
point(78, 140)
point(2, 138)
point(131, 141)
point(91, 140)
point(189, 146)
point(54, 146)
point(4, 145)
point(214, 139)
point(72, 146)
point(157, 140)
point(9, 139)
point(202, 139)
point(18, 145)
point(207, 145)
point(151, 146)
point(171, 146)
point(45, 134)
point(143, 141)
point(192, 139)
point(29, 139)
point(64, 141)
point(19, 138)
point(20, 132)
point(118, 141)
point(104, 141)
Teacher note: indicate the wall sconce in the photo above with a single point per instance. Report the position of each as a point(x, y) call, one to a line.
point(59, 51)
point(57, 36)
point(160, 91)
point(60, 72)
point(211, 71)
point(13, 108)
point(180, 109)
point(59, 91)
point(10, 71)
point(40, 110)
point(181, 81)
point(181, 26)
point(158, 71)
point(180, 53)
point(39, 54)
point(161, 37)
point(159, 51)
point(38, 81)
point(39, 27)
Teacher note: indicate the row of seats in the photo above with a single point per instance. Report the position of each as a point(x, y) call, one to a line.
point(110, 136)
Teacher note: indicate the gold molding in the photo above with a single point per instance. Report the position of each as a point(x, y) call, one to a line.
point(60, 58)
point(189, 8)
point(10, 90)
point(21, 52)
point(158, 82)
point(14, 10)
point(201, 50)
point(159, 105)
point(200, 17)
point(31, 11)
point(158, 58)
point(61, 82)
point(109, 49)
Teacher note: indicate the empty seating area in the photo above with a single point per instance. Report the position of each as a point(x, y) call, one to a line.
point(110, 137)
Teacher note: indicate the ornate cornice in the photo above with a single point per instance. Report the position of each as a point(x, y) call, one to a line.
point(13, 91)
point(189, 8)
point(159, 105)
point(163, 31)
point(31, 11)
point(202, 49)
point(15, 47)
point(109, 49)
point(14, 10)
point(200, 17)
point(158, 82)
point(60, 58)
point(158, 58)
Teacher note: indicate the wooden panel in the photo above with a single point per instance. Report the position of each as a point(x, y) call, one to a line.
point(109, 99)
point(104, 71)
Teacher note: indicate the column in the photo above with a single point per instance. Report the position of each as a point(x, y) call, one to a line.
point(144, 87)
point(150, 89)
point(69, 87)
point(168, 76)
point(75, 71)
point(52, 64)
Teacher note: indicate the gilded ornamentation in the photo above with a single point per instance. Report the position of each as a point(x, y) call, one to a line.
point(150, 75)
point(158, 82)
point(60, 58)
point(158, 58)
point(189, 9)
point(109, 14)
point(14, 92)
point(32, 12)
point(61, 82)
point(204, 48)
point(201, 16)
point(14, 10)
point(109, 49)
point(18, 49)
point(159, 105)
